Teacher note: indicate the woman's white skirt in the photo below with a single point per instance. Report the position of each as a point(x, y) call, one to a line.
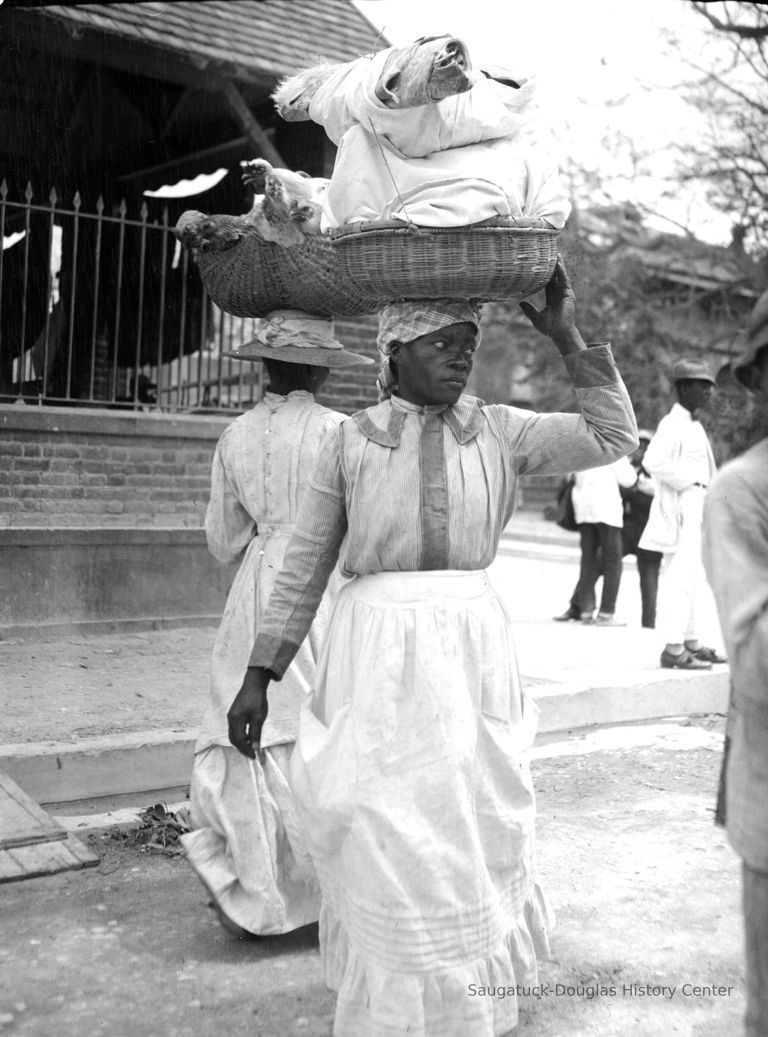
point(247, 847)
point(412, 788)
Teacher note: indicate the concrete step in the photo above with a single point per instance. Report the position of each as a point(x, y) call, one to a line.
point(679, 733)
point(153, 762)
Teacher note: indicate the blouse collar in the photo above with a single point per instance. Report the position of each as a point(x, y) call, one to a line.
point(383, 424)
point(430, 408)
point(275, 398)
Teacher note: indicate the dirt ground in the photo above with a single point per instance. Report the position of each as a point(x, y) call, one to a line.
point(644, 886)
point(105, 684)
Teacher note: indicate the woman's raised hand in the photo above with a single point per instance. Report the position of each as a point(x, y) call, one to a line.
point(557, 320)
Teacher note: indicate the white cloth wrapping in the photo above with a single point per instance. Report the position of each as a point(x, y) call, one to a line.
point(246, 845)
point(488, 111)
point(467, 158)
point(415, 795)
point(507, 177)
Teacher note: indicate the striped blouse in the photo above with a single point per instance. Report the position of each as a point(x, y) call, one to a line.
point(416, 488)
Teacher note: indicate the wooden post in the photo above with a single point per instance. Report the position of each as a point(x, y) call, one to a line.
point(249, 124)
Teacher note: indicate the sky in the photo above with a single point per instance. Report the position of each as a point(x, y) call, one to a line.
point(605, 71)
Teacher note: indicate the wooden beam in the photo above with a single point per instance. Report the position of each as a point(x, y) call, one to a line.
point(84, 84)
point(186, 93)
point(249, 124)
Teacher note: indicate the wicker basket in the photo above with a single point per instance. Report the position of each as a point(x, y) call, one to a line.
point(255, 276)
point(498, 259)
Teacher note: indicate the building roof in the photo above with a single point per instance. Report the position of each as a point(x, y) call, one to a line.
point(688, 261)
point(677, 258)
point(247, 38)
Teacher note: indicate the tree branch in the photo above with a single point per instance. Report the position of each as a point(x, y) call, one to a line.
point(714, 77)
point(745, 32)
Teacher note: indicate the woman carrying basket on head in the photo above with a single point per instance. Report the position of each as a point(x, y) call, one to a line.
point(409, 769)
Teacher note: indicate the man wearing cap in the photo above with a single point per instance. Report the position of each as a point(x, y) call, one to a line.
point(680, 459)
point(736, 560)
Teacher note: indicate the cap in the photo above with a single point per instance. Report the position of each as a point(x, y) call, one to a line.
point(692, 368)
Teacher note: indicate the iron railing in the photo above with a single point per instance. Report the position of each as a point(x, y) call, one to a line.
point(99, 309)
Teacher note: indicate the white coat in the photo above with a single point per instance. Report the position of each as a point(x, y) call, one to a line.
point(679, 457)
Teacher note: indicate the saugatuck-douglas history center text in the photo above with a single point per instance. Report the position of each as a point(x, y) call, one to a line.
point(590, 991)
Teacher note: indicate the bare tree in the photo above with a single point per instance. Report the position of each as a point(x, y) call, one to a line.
point(729, 86)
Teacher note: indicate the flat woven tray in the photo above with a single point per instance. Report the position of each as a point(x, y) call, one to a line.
point(255, 276)
point(498, 259)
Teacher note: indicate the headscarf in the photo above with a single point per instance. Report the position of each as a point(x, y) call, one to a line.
point(405, 321)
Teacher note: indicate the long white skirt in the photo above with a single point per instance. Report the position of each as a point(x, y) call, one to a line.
point(247, 847)
point(411, 783)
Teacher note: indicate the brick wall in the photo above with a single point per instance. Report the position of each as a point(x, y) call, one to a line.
point(101, 520)
point(65, 466)
point(75, 467)
point(350, 389)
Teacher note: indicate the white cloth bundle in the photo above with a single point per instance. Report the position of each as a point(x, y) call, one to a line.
point(372, 180)
point(488, 111)
point(467, 158)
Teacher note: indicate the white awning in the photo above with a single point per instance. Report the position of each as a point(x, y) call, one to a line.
point(13, 239)
point(186, 188)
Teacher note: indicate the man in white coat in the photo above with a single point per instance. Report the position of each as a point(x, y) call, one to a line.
point(680, 459)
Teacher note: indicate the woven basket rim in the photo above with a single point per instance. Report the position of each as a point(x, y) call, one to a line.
point(250, 236)
point(398, 228)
